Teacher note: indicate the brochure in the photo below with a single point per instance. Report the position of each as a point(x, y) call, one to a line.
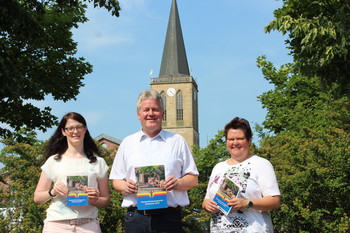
point(227, 190)
point(151, 193)
point(77, 195)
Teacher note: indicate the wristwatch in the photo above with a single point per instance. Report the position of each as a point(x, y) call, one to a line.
point(250, 204)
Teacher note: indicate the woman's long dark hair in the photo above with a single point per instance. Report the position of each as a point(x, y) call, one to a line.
point(57, 144)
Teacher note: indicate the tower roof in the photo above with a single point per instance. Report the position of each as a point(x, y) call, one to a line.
point(174, 60)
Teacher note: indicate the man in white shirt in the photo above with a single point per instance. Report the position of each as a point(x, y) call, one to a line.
point(148, 147)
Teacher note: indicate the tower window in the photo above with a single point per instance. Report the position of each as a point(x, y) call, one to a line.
point(162, 95)
point(179, 106)
point(195, 109)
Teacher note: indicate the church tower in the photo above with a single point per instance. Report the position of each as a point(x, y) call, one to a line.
point(178, 89)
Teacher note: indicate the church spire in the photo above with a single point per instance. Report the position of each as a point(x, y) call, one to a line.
point(174, 60)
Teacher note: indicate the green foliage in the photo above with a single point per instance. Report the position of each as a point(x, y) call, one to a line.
point(318, 37)
point(313, 171)
point(110, 5)
point(38, 58)
point(112, 217)
point(309, 147)
point(19, 177)
point(195, 220)
point(299, 101)
point(207, 157)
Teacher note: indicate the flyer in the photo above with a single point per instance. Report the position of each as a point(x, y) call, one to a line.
point(77, 195)
point(151, 193)
point(227, 190)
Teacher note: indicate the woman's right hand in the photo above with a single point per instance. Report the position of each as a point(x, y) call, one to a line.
point(210, 206)
point(60, 189)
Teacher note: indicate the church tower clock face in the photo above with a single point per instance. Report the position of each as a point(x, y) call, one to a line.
point(171, 92)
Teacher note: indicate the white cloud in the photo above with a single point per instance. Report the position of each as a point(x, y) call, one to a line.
point(92, 118)
point(102, 30)
point(98, 39)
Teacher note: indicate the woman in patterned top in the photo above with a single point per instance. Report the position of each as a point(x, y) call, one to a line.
point(258, 188)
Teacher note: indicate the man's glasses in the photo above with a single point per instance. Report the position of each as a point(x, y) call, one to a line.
point(72, 128)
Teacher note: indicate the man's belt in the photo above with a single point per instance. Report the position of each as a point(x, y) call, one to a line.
point(155, 211)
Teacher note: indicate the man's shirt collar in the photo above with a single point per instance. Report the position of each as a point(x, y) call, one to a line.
point(161, 135)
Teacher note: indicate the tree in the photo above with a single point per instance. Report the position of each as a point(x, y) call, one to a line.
point(38, 58)
point(318, 38)
point(112, 217)
point(194, 219)
point(19, 177)
point(299, 101)
point(309, 147)
point(308, 117)
point(313, 175)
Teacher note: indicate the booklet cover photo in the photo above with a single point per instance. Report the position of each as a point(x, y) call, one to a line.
point(151, 193)
point(227, 191)
point(77, 195)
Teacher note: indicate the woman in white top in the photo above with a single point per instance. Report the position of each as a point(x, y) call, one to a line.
point(258, 188)
point(72, 157)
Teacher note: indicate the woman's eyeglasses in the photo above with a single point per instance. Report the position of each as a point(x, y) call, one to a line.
point(72, 128)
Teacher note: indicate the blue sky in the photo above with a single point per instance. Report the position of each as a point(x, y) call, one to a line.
point(223, 39)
